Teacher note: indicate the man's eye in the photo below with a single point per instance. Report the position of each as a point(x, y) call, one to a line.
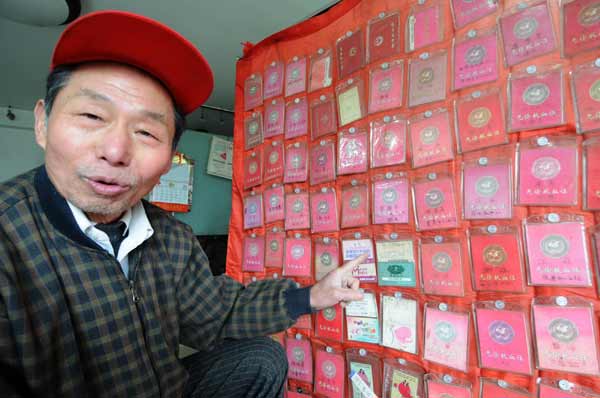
point(91, 116)
point(146, 134)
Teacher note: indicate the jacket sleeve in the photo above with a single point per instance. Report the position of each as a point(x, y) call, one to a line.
point(12, 377)
point(213, 308)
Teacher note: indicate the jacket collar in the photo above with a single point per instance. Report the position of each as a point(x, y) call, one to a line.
point(57, 210)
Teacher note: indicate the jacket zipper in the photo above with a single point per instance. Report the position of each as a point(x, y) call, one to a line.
point(137, 256)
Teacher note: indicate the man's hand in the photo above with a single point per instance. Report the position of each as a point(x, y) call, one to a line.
point(337, 286)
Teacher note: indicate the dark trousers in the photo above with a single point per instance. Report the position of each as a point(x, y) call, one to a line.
point(237, 368)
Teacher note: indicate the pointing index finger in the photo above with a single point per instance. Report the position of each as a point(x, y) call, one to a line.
point(353, 263)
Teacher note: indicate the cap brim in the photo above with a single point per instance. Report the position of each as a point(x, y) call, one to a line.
point(142, 42)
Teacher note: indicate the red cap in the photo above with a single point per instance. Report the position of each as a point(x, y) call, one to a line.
point(147, 44)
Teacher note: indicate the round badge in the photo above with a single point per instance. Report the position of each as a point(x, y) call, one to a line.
point(589, 15)
point(545, 168)
point(253, 90)
point(434, 198)
point(297, 252)
point(296, 161)
point(295, 74)
point(324, 120)
point(426, 76)
point(328, 369)
point(252, 167)
point(554, 246)
point(322, 159)
point(390, 140)
point(441, 262)
point(536, 94)
point(501, 332)
point(298, 354)
point(273, 116)
point(329, 313)
point(378, 41)
point(274, 245)
point(298, 206)
point(525, 27)
point(295, 116)
point(595, 91)
point(253, 127)
point(563, 330)
point(487, 186)
point(253, 249)
point(252, 208)
point(475, 55)
point(323, 207)
point(389, 195)
point(479, 117)
point(353, 51)
point(274, 201)
point(326, 259)
point(273, 157)
point(385, 85)
point(395, 269)
point(429, 135)
point(273, 78)
point(494, 255)
point(355, 201)
point(352, 148)
point(445, 331)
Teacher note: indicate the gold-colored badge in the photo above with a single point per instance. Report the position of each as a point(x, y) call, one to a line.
point(479, 117)
point(494, 255)
point(426, 76)
point(525, 27)
point(595, 91)
point(589, 15)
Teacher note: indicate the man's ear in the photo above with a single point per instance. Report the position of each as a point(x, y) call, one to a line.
point(168, 164)
point(40, 125)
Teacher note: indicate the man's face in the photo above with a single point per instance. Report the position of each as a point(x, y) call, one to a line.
point(108, 138)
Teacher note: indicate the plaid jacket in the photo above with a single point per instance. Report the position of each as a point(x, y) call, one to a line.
point(72, 324)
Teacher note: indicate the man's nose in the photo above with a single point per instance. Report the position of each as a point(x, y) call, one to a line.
point(114, 146)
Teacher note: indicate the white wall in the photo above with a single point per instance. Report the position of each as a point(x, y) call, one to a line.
point(18, 149)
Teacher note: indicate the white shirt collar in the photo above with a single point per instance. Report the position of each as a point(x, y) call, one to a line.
point(136, 222)
point(85, 223)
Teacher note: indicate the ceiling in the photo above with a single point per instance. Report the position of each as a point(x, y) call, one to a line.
point(217, 28)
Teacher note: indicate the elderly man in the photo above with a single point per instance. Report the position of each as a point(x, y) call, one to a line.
point(98, 287)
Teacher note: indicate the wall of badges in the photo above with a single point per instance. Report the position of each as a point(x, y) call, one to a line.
point(457, 143)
